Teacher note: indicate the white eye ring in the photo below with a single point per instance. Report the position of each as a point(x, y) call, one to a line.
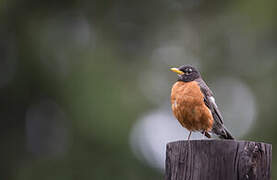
point(190, 70)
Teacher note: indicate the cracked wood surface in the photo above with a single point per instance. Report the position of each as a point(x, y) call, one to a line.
point(218, 160)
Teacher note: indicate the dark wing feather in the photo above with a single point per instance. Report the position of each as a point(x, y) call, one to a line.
point(218, 127)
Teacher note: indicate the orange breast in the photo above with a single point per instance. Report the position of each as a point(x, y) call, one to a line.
point(187, 102)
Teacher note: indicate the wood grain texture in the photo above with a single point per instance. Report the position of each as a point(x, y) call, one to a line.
point(218, 160)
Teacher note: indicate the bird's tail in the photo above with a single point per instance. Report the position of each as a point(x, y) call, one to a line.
point(226, 134)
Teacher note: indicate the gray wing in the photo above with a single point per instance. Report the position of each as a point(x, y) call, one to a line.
point(218, 127)
point(210, 100)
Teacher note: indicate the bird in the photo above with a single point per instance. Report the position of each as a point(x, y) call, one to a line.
point(193, 104)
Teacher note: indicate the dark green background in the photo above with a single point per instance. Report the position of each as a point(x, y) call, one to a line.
point(85, 58)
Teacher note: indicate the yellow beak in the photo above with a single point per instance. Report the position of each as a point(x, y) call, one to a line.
point(177, 71)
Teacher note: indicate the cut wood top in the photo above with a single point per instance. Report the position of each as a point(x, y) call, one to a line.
point(218, 159)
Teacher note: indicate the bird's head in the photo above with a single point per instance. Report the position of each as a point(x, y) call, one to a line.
point(186, 73)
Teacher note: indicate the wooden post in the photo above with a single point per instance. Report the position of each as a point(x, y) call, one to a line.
point(218, 160)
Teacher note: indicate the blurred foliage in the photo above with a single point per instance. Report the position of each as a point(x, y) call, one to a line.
point(87, 57)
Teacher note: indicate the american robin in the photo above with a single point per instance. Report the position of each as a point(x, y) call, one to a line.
point(193, 104)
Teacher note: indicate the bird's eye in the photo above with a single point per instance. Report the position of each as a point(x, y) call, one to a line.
point(188, 71)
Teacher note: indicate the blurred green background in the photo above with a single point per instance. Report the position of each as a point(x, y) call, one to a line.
point(76, 76)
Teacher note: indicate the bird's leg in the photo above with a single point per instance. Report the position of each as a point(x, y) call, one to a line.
point(189, 135)
point(203, 133)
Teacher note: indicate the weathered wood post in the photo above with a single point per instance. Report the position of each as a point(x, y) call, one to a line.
point(218, 160)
